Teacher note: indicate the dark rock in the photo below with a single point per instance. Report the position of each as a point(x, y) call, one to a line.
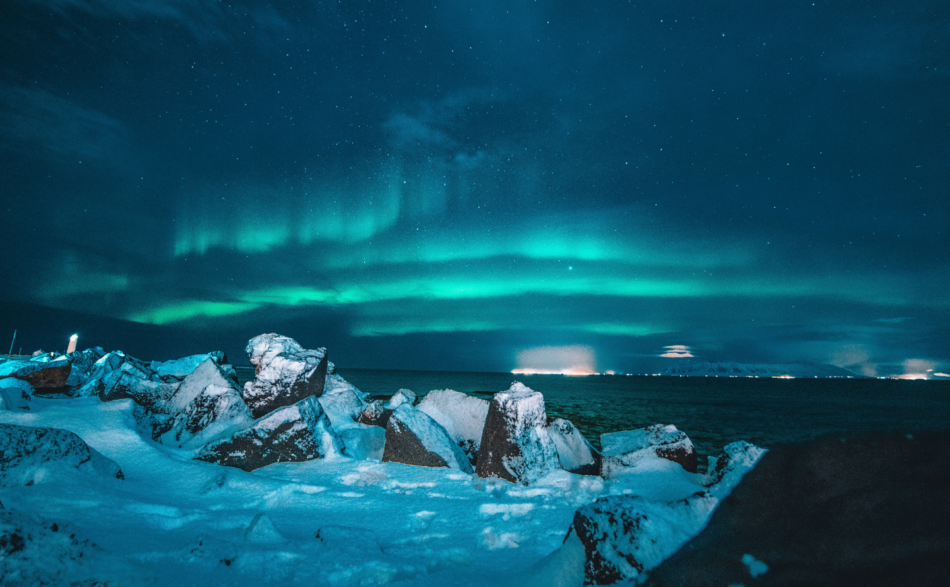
point(44, 376)
point(293, 434)
point(285, 373)
point(414, 438)
point(25, 453)
point(515, 444)
point(866, 511)
point(574, 453)
point(626, 449)
point(149, 394)
point(375, 414)
point(83, 363)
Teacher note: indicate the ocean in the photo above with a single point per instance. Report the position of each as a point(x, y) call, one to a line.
point(712, 411)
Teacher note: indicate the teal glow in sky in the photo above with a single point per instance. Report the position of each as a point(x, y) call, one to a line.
point(448, 185)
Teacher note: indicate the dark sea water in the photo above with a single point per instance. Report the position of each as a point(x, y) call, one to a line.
point(712, 411)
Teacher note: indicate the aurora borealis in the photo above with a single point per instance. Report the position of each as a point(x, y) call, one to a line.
point(452, 185)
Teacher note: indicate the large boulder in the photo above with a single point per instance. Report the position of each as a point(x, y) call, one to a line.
point(462, 416)
point(285, 373)
point(205, 405)
point(864, 511)
point(362, 442)
point(342, 402)
point(414, 438)
point(28, 455)
point(292, 434)
point(626, 449)
point(105, 373)
point(44, 376)
point(574, 453)
point(515, 444)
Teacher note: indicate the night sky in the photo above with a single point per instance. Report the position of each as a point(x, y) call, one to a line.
point(458, 185)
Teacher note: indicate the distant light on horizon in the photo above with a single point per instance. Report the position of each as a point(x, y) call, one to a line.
point(557, 360)
point(677, 351)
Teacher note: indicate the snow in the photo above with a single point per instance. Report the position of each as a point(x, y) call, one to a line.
point(573, 450)
point(15, 394)
point(627, 448)
point(179, 368)
point(462, 416)
point(755, 566)
point(403, 396)
point(330, 521)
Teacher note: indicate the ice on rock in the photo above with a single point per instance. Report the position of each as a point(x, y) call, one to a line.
point(403, 396)
point(625, 535)
point(363, 442)
point(515, 444)
point(413, 438)
point(573, 451)
point(462, 416)
point(291, 434)
point(342, 403)
point(285, 373)
point(205, 405)
point(626, 449)
point(15, 394)
point(28, 455)
point(42, 375)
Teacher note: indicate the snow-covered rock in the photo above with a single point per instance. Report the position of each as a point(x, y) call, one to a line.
point(515, 444)
point(42, 375)
point(375, 414)
point(285, 373)
point(15, 394)
point(83, 363)
point(149, 394)
point(205, 405)
point(178, 369)
point(725, 471)
point(291, 434)
point(413, 438)
point(28, 455)
point(363, 442)
point(624, 449)
point(573, 451)
point(103, 374)
point(403, 396)
point(625, 535)
point(462, 416)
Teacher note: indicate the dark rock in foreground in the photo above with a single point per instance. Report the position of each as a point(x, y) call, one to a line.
point(27, 453)
point(515, 444)
point(413, 438)
point(293, 434)
point(626, 449)
point(285, 373)
point(44, 376)
point(866, 511)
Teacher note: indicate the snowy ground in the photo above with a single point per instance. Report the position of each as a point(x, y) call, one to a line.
point(177, 521)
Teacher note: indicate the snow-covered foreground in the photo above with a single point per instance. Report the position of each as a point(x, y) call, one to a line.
point(350, 517)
